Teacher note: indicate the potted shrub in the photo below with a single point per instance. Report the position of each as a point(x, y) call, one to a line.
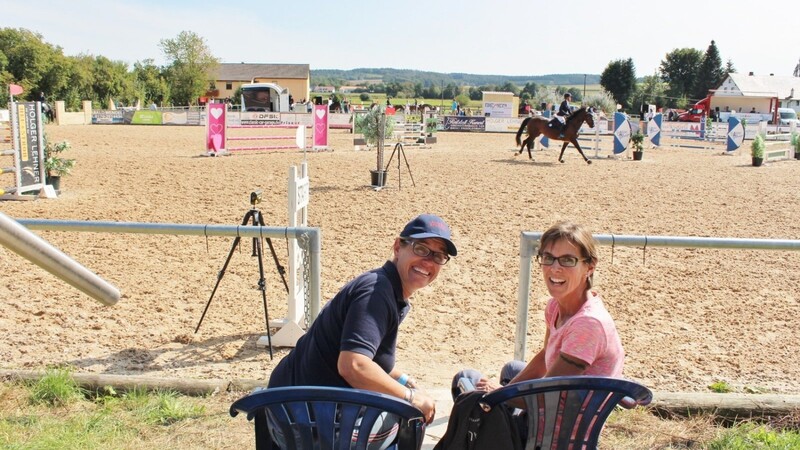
point(757, 150)
point(430, 127)
point(369, 126)
point(55, 165)
point(796, 145)
point(637, 141)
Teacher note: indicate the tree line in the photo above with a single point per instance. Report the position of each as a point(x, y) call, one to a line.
point(685, 76)
point(40, 67)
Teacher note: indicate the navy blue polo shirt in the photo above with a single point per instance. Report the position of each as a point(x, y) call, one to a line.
point(363, 317)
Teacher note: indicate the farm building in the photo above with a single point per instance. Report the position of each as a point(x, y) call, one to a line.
point(296, 78)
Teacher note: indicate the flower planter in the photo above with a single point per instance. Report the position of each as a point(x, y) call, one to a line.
point(637, 156)
point(757, 161)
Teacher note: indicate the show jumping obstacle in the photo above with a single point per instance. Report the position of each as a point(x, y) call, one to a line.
point(26, 137)
point(219, 136)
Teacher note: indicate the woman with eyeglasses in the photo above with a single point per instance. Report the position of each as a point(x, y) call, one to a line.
point(352, 342)
point(580, 338)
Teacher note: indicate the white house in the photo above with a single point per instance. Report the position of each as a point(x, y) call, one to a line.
point(765, 94)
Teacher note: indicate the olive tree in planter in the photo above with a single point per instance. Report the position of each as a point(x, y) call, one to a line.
point(55, 165)
point(796, 145)
point(637, 141)
point(369, 125)
point(757, 150)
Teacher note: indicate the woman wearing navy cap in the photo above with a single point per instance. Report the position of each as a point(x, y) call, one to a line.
point(352, 342)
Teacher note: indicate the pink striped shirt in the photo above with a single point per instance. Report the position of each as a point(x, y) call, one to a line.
point(590, 335)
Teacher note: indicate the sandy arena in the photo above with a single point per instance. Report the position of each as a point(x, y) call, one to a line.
point(687, 317)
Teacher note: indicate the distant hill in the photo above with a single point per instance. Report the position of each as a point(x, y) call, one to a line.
point(385, 75)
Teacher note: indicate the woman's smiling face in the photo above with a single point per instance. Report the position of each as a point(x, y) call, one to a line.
point(566, 282)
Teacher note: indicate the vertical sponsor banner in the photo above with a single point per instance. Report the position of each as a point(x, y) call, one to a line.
point(735, 134)
point(622, 132)
point(215, 128)
point(29, 147)
point(654, 129)
point(320, 127)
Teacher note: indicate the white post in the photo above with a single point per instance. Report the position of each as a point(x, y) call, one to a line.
point(526, 251)
point(291, 327)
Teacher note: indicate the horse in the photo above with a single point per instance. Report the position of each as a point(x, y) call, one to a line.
point(540, 125)
point(49, 113)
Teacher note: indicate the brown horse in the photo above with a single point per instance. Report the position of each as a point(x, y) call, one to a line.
point(540, 125)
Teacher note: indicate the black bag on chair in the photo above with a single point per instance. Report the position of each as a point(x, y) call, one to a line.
point(470, 428)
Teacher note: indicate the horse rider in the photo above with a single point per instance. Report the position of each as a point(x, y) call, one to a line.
point(564, 111)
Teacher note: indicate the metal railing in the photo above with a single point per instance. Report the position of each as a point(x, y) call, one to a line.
point(529, 246)
point(314, 236)
point(22, 241)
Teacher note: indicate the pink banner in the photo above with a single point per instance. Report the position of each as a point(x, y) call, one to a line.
point(321, 126)
point(215, 128)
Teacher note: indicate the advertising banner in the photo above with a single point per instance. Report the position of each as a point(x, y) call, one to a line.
point(260, 118)
point(502, 125)
point(464, 123)
point(498, 109)
point(30, 149)
point(146, 118)
point(107, 117)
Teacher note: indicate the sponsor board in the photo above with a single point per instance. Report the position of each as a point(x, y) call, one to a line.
point(503, 125)
point(464, 123)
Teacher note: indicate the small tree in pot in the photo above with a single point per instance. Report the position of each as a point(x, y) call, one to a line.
point(637, 141)
point(55, 164)
point(757, 150)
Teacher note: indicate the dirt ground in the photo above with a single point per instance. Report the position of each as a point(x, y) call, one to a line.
point(687, 317)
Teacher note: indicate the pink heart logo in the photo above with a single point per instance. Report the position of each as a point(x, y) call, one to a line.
point(216, 112)
point(216, 128)
point(320, 113)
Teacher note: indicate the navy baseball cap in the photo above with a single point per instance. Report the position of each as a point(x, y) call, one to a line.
point(427, 226)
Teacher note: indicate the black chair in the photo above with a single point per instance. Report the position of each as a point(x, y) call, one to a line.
point(326, 418)
point(567, 412)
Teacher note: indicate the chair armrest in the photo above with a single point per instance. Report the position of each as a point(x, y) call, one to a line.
point(465, 385)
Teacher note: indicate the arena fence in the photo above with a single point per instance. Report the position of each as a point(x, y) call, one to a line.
point(310, 239)
point(529, 247)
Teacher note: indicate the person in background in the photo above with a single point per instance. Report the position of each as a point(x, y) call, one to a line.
point(352, 343)
point(580, 337)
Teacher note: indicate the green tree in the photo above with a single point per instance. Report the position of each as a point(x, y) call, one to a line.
point(710, 73)
point(679, 70)
point(191, 66)
point(729, 69)
point(651, 91)
point(530, 88)
point(81, 83)
point(112, 81)
point(619, 78)
point(31, 62)
point(509, 87)
point(151, 86)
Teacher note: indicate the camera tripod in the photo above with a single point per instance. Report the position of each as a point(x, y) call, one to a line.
point(398, 148)
point(257, 219)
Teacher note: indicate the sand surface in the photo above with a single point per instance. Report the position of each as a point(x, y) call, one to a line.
point(687, 317)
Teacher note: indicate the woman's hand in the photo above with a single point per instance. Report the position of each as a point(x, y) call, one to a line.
point(425, 403)
point(485, 384)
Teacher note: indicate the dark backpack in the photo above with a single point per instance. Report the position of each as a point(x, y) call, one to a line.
point(470, 428)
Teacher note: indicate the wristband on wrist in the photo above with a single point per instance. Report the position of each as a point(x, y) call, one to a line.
point(403, 379)
point(409, 395)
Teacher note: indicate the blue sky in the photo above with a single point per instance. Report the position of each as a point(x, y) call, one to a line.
point(468, 36)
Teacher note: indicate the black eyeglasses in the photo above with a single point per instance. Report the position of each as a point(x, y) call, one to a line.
point(546, 259)
point(423, 251)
